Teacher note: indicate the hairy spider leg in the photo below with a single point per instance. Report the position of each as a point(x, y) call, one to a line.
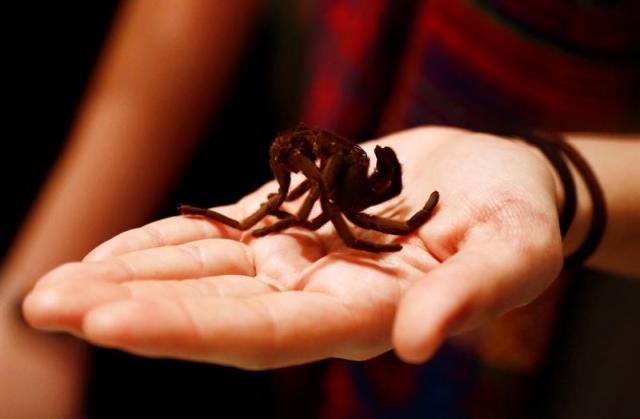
point(303, 187)
point(386, 225)
point(310, 170)
point(299, 190)
point(330, 177)
point(317, 222)
point(299, 219)
point(386, 180)
point(273, 202)
point(280, 214)
point(347, 236)
point(290, 220)
point(316, 178)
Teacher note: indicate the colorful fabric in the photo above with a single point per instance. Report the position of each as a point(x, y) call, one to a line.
point(381, 65)
point(378, 66)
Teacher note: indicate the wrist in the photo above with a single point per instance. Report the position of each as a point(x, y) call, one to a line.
point(579, 226)
point(559, 151)
point(579, 229)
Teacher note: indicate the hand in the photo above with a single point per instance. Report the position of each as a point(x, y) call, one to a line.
point(192, 289)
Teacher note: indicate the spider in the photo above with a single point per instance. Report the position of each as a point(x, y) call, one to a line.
point(336, 175)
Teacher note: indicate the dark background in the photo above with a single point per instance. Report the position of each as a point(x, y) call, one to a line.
point(53, 48)
point(594, 363)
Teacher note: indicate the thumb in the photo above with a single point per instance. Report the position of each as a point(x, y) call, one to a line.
point(480, 282)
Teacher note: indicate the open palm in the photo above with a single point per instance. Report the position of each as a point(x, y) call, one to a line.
point(194, 289)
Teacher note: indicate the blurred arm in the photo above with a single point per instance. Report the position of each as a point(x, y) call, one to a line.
point(615, 162)
point(163, 72)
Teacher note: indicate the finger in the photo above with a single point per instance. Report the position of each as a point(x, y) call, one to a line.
point(281, 257)
point(62, 296)
point(261, 332)
point(62, 306)
point(473, 286)
point(233, 286)
point(189, 260)
point(346, 311)
point(165, 232)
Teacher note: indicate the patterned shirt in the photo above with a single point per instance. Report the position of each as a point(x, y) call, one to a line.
point(377, 66)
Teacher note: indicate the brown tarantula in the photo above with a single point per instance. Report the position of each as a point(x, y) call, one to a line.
point(336, 175)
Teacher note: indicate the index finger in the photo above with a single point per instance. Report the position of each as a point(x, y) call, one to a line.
point(166, 232)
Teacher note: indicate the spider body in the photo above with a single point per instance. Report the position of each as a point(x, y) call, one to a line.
point(336, 172)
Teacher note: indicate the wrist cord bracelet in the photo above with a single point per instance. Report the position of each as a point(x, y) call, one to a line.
point(553, 146)
point(599, 207)
point(568, 212)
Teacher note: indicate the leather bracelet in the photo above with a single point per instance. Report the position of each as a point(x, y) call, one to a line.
point(552, 154)
point(554, 146)
point(599, 207)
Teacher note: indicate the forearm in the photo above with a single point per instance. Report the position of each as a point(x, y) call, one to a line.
point(615, 161)
point(162, 73)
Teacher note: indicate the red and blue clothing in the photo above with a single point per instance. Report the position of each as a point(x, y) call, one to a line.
point(378, 66)
point(385, 65)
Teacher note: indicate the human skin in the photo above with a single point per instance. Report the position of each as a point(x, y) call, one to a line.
point(614, 159)
point(156, 83)
point(193, 289)
point(192, 54)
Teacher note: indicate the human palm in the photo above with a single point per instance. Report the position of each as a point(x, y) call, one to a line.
point(194, 289)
